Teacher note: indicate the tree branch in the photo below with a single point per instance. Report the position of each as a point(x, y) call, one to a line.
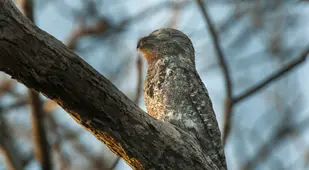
point(231, 101)
point(273, 142)
point(42, 149)
point(139, 86)
point(104, 27)
point(6, 86)
point(115, 164)
point(100, 27)
point(43, 63)
point(289, 67)
point(226, 73)
point(11, 155)
point(39, 134)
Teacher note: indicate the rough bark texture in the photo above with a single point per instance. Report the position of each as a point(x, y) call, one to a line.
point(41, 146)
point(43, 63)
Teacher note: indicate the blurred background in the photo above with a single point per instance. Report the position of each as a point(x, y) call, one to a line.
point(263, 113)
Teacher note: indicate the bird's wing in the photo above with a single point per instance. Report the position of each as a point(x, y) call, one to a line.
point(202, 103)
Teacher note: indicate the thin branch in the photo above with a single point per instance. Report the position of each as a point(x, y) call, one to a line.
point(172, 23)
point(6, 86)
point(11, 154)
point(41, 147)
point(302, 57)
point(154, 9)
point(115, 163)
point(64, 161)
point(139, 87)
point(230, 101)
point(268, 147)
point(101, 26)
point(104, 27)
point(226, 73)
point(27, 8)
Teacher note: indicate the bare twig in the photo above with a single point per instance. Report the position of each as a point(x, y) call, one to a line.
point(230, 101)
point(7, 143)
point(153, 9)
point(63, 158)
point(100, 27)
point(27, 8)
point(281, 134)
point(104, 26)
point(172, 23)
point(139, 65)
point(11, 155)
point(6, 86)
point(302, 57)
point(115, 163)
point(226, 73)
point(27, 159)
point(42, 149)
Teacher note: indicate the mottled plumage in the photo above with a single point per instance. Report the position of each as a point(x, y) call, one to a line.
point(175, 93)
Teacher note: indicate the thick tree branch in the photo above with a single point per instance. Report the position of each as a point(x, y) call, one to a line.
point(226, 73)
point(41, 147)
point(43, 63)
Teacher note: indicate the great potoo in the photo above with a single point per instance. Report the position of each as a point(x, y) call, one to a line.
point(175, 93)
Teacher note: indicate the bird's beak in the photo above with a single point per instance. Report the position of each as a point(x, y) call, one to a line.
point(145, 42)
point(147, 46)
point(140, 43)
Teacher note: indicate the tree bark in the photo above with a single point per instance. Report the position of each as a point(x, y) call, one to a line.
point(39, 134)
point(44, 64)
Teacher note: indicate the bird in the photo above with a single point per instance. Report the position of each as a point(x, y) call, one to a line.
point(175, 93)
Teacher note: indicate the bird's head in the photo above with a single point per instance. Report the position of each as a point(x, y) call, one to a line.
point(166, 42)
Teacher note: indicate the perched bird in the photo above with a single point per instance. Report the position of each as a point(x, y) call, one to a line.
point(174, 91)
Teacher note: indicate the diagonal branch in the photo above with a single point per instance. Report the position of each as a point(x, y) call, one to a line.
point(43, 63)
point(271, 78)
point(231, 101)
point(226, 73)
point(279, 135)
